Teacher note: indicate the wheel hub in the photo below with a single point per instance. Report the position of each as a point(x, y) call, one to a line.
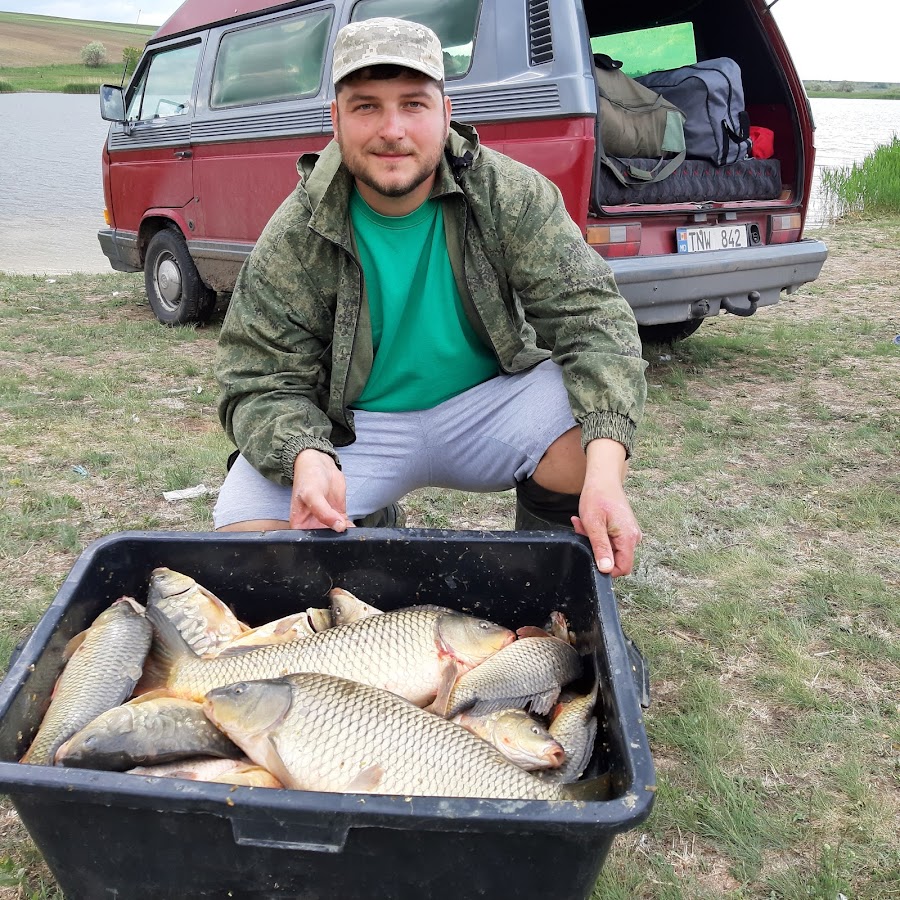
point(168, 280)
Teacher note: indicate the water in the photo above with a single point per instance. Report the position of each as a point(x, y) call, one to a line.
point(51, 193)
point(846, 132)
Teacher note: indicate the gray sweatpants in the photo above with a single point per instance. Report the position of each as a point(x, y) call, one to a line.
point(485, 439)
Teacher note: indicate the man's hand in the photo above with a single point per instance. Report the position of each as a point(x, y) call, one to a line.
point(319, 494)
point(604, 513)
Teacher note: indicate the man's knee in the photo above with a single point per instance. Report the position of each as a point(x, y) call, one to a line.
point(256, 525)
point(563, 465)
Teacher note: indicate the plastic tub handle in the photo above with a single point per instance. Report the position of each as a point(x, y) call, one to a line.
point(314, 838)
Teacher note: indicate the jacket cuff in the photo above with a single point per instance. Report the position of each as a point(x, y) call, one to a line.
point(292, 448)
point(610, 425)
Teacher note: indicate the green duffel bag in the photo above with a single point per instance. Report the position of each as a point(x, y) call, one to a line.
point(636, 122)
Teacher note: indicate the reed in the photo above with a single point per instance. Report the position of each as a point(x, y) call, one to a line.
point(867, 189)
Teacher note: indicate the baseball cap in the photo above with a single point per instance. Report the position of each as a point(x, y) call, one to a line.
point(376, 42)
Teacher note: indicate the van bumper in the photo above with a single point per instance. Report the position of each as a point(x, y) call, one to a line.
point(121, 249)
point(676, 288)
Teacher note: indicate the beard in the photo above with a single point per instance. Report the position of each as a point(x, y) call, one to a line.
point(365, 168)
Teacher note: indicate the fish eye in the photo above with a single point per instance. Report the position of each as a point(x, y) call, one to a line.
point(337, 610)
point(535, 729)
point(484, 626)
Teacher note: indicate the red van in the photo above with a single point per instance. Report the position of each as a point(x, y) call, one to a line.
point(203, 142)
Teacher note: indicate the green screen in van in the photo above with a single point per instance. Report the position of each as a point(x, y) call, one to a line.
point(650, 49)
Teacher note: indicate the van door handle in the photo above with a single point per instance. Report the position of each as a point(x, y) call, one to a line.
point(183, 154)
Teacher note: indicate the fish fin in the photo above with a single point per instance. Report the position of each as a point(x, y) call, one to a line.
point(137, 607)
point(543, 703)
point(73, 644)
point(237, 651)
point(287, 623)
point(449, 674)
point(158, 694)
point(591, 789)
point(532, 631)
point(540, 704)
point(169, 649)
point(485, 707)
point(366, 781)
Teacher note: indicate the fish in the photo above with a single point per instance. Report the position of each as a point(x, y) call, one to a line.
point(558, 626)
point(347, 608)
point(528, 673)
point(204, 621)
point(414, 652)
point(521, 738)
point(574, 725)
point(207, 768)
point(101, 674)
point(323, 733)
point(320, 619)
point(146, 731)
point(288, 628)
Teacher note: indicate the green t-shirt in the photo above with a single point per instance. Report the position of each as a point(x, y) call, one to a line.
point(425, 350)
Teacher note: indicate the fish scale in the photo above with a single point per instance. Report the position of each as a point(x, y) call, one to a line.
point(399, 651)
point(100, 675)
point(339, 735)
point(530, 671)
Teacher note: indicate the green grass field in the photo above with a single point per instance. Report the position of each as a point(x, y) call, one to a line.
point(765, 595)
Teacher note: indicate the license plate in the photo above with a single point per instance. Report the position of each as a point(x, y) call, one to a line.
point(715, 237)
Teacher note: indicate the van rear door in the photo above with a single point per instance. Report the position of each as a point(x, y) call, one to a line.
point(150, 164)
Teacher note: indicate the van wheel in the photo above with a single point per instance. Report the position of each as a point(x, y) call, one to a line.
point(176, 293)
point(668, 332)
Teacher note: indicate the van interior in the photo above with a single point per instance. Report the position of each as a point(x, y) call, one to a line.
point(657, 35)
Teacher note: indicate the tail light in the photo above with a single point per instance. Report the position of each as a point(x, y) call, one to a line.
point(615, 240)
point(785, 229)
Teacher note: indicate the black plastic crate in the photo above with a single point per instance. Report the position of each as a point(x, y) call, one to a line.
point(106, 834)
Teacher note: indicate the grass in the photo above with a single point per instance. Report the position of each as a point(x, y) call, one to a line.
point(764, 595)
point(70, 78)
point(870, 188)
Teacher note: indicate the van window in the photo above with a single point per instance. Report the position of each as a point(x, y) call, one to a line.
point(166, 85)
point(274, 61)
point(453, 21)
point(650, 49)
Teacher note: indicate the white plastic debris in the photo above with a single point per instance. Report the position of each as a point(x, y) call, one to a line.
point(200, 490)
point(50, 281)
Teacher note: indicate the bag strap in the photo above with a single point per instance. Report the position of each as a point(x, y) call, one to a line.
point(663, 169)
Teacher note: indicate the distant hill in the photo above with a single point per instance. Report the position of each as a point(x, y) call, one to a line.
point(887, 90)
point(27, 40)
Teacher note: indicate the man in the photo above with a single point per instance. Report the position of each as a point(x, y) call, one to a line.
point(390, 330)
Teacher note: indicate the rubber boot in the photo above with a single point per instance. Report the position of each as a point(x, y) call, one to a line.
point(391, 516)
point(538, 509)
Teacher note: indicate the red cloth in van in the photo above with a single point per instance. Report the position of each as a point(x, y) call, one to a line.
point(763, 142)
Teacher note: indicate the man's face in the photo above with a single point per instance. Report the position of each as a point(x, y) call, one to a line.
point(391, 134)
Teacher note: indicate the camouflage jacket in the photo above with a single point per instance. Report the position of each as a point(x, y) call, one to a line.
point(296, 346)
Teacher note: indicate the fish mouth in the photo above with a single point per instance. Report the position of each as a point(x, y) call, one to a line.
point(555, 756)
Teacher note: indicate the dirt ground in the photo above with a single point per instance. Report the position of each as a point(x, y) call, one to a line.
point(47, 44)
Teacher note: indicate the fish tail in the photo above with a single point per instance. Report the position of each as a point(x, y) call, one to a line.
point(168, 652)
point(591, 789)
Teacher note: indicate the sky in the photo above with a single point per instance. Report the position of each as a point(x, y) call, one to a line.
point(829, 39)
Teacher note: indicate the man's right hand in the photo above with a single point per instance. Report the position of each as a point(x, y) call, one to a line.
point(319, 494)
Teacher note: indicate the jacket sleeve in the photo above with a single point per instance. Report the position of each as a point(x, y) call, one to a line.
point(569, 296)
point(270, 365)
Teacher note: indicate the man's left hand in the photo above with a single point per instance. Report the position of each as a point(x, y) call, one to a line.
point(604, 513)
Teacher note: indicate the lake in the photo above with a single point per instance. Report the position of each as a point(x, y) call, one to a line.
point(51, 194)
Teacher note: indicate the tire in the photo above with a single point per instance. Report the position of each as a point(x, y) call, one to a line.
point(668, 332)
point(174, 289)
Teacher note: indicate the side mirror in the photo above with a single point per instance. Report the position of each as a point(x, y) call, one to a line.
point(112, 103)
